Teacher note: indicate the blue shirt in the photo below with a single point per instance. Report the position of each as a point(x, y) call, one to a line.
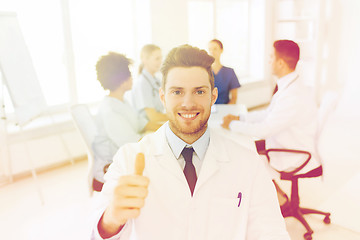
point(225, 80)
point(200, 147)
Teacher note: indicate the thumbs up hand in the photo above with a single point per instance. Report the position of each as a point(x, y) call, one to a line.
point(129, 197)
point(139, 164)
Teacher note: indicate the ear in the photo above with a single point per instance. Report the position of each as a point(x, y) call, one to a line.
point(282, 63)
point(214, 95)
point(162, 95)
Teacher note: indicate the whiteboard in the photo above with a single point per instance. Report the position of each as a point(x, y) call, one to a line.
point(18, 71)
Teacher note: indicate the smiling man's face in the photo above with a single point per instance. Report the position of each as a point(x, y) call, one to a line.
point(188, 98)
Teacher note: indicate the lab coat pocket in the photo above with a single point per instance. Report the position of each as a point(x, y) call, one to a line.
point(224, 218)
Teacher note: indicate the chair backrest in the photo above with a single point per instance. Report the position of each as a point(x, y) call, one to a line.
point(86, 125)
point(84, 122)
point(327, 105)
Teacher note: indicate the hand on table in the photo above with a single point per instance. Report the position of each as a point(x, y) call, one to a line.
point(227, 120)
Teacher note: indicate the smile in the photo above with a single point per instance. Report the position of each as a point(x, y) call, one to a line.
point(189, 116)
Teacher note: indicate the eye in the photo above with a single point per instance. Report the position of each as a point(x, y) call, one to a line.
point(200, 92)
point(176, 92)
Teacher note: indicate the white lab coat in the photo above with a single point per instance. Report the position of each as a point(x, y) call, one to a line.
point(145, 93)
point(288, 122)
point(212, 213)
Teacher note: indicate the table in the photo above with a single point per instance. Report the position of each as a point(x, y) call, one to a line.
point(218, 111)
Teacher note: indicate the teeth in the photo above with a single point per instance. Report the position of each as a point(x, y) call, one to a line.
point(188, 115)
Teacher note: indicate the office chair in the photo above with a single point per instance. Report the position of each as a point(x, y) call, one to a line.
point(86, 125)
point(293, 208)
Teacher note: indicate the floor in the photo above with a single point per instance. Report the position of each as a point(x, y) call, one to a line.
point(66, 211)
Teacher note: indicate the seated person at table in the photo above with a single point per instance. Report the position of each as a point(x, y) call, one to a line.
point(225, 78)
point(289, 121)
point(118, 123)
point(145, 94)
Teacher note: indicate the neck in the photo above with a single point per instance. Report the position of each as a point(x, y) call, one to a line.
point(284, 73)
point(217, 62)
point(118, 94)
point(152, 73)
point(216, 66)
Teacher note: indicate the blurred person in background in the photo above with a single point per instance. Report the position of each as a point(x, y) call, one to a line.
point(145, 94)
point(225, 78)
point(290, 119)
point(117, 121)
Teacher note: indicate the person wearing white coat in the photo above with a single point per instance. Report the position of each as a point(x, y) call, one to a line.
point(233, 199)
point(290, 119)
point(145, 94)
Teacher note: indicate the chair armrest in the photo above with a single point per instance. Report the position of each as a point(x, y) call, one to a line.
point(261, 149)
point(261, 146)
point(293, 172)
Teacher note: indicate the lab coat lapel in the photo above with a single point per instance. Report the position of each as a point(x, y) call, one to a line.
point(166, 158)
point(213, 157)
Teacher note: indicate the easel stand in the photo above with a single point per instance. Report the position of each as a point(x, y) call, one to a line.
point(7, 156)
point(6, 149)
point(4, 145)
point(19, 76)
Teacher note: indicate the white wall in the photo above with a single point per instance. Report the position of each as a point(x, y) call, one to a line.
point(343, 76)
point(170, 22)
point(339, 142)
point(349, 58)
point(42, 149)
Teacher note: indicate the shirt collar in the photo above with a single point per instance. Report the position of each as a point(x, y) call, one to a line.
point(115, 101)
point(286, 80)
point(177, 145)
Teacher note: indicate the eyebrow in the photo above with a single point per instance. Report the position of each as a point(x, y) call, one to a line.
point(202, 87)
point(196, 88)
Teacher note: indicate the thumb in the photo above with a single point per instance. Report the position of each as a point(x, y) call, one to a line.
point(139, 164)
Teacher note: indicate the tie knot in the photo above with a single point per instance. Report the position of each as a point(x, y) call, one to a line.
point(187, 154)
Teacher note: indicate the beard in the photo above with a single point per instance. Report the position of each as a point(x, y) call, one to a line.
point(192, 128)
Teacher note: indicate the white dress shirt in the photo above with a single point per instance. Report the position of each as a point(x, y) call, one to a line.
point(288, 122)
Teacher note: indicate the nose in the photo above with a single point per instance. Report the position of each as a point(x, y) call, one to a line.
point(188, 101)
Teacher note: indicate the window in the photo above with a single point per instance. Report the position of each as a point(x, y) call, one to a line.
point(237, 23)
point(101, 27)
point(200, 23)
point(298, 21)
point(91, 28)
point(232, 25)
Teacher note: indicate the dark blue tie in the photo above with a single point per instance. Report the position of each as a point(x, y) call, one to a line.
point(189, 169)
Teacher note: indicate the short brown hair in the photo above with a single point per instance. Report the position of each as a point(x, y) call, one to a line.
point(112, 70)
point(187, 56)
point(287, 50)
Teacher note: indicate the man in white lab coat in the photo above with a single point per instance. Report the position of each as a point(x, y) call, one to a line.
point(290, 119)
point(222, 192)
